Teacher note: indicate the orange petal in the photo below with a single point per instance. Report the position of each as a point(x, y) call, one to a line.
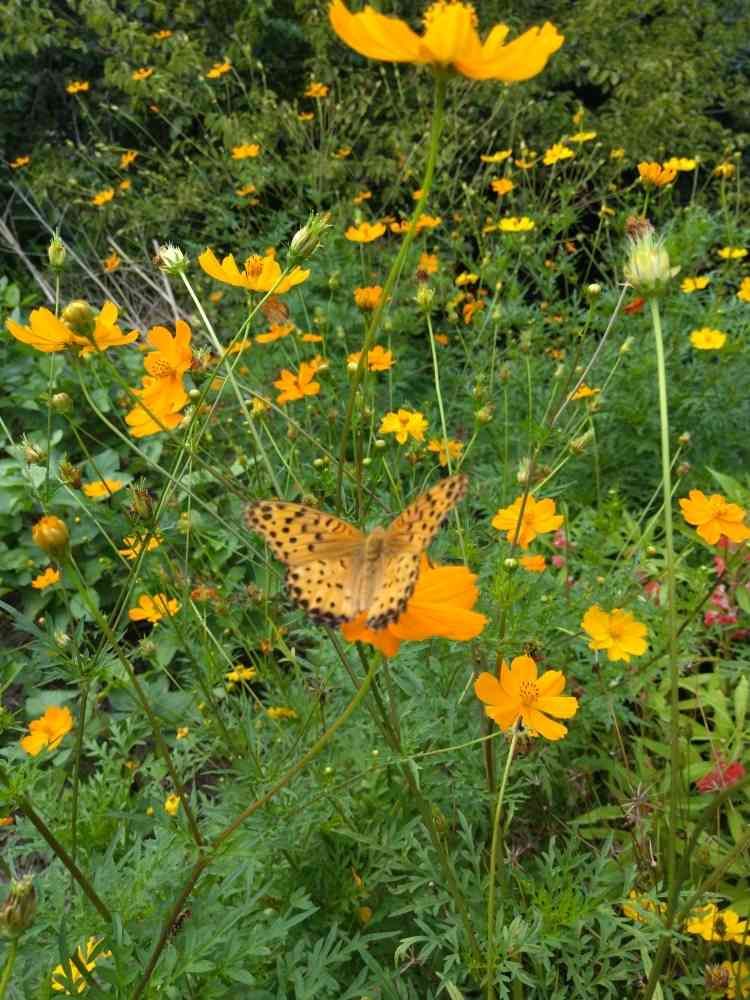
point(561, 708)
point(543, 725)
point(376, 36)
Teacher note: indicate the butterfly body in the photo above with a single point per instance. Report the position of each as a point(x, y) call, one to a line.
point(335, 572)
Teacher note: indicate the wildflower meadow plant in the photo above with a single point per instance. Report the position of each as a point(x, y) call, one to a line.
point(343, 596)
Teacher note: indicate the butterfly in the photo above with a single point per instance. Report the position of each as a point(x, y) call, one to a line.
point(335, 571)
point(275, 310)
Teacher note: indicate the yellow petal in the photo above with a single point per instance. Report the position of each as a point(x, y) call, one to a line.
point(376, 36)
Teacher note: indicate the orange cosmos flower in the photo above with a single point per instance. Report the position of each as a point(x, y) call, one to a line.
point(48, 731)
point(277, 331)
point(246, 151)
point(102, 197)
point(128, 157)
point(218, 69)
point(368, 297)
point(106, 332)
point(378, 359)
point(153, 609)
point(365, 232)
point(20, 161)
point(102, 489)
point(450, 41)
point(297, 386)
point(446, 449)
point(45, 332)
point(653, 174)
point(78, 86)
point(616, 632)
point(538, 517)
point(317, 90)
point(714, 516)
point(260, 274)
point(50, 534)
point(502, 185)
point(533, 564)
point(441, 605)
point(46, 579)
point(141, 74)
point(520, 694)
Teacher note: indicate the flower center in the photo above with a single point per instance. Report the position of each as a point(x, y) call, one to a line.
point(720, 927)
point(254, 266)
point(162, 369)
point(528, 692)
point(440, 7)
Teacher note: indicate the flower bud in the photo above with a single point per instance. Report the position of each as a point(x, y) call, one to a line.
point(425, 296)
point(50, 534)
point(56, 253)
point(69, 474)
point(171, 260)
point(510, 563)
point(307, 240)
point(80, 318)
point(684, 438)
point(484, 416)
point(61, 402)
point(141, 501)
point(578, 445)
point(593, 289)
point(647, 268)
point(17, 912)
point(33, 453)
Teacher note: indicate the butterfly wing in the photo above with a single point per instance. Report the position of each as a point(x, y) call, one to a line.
point(405, 540)
point(322, 553)
point(298, 534)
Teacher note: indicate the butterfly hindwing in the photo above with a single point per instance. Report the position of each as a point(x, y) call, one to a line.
point(397, 586)
point(321, 587)
point(297, 534)
point(417, 525)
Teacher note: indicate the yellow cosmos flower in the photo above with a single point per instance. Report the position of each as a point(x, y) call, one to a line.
point(111, 263)
point(293, 386)
point(732, 253)
point(582, 137)
point(361, 197)
point(555, 153)
point(343, 152)
point(450, 41)
point(45, 331)
point(680, 163)
point(160, 36)
point(617, 153)
point(241, 674)
point(653, 174)
point(128, 158)
point(47, 732)
point(103, 197)
point(365, 232)
point(499, 157)
point(172, 804)
point(106, 332)
point(141, 74)
point(259, 274)
point(153, 609)
point(616, 632)
point(713, 924)
point(640, 903)
point(690, 285)
point(246, 151)
point(78, 86)
point(317, 90)
point(708, 339)
point(725, 170)
point(744, 290)
point(428, 263)
point(445, 449)
point(133, 546)
point(245, 190)
point(102, 489)
point(19, 162)
point(584, 392)
point(521, 694)
point(404, 424)
point(70, 973)
point(538, 518)
point(516, 224)
point(714, 516)
point(46, 579)
point(218, 69)
point(281, 712)
point(735, 976)
point(424, 221)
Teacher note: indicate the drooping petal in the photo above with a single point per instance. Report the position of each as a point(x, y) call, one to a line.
point(560, 707)
point(226, 271)
point(542, 724)
point(524, 57)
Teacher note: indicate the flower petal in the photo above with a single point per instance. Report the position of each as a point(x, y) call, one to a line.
point(561, 708)
point(376, 36)
point(542, 724)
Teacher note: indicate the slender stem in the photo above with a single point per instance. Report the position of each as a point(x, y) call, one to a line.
point(497, 840)
point(206, 859)
point(438, 118)
point(666, 472)
point(9, 963)
point(77, 767)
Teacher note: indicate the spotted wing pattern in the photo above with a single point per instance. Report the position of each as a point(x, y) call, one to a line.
point(399, 580)
point(417, 525)
point(298, 534)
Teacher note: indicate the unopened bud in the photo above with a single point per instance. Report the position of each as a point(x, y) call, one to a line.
point(424, 297)
point(61, 402)
point(684, 438)
point(504, 374)
point(141, 501)
point(307, 240)
point(647, 268)
point(484, 416)
point(510, 563)
point(62, 639)
point(33, 453)
point(56, 253)
point(683, 469)
point(171, 260)
point(80, 318)
point(334, 281)
point(51, 535)
point(593, 289)
point(379, 443)
point(626, 345)
point(578, 445)
point(17, 912)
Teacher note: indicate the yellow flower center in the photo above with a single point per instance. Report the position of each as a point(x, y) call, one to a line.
point(254, 266)
point(528, 692)
point(437, 9)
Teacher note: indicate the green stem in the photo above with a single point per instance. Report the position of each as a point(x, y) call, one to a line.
point(666, 472)
point(9, 963)
point(77, 767)
point(497, 841)
point(205, 859)
point(438, 118)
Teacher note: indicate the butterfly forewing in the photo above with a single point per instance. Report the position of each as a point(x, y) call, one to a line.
point(322, 588)
point(417, 525)
point(397, 586)
point(297, 534)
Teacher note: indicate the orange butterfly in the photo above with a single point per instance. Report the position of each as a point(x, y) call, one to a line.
point(335, 571)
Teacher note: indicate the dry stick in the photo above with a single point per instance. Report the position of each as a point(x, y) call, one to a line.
point(9, 237)
point(205, 859)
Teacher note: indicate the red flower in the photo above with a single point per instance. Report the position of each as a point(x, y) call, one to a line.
point(722, 776)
